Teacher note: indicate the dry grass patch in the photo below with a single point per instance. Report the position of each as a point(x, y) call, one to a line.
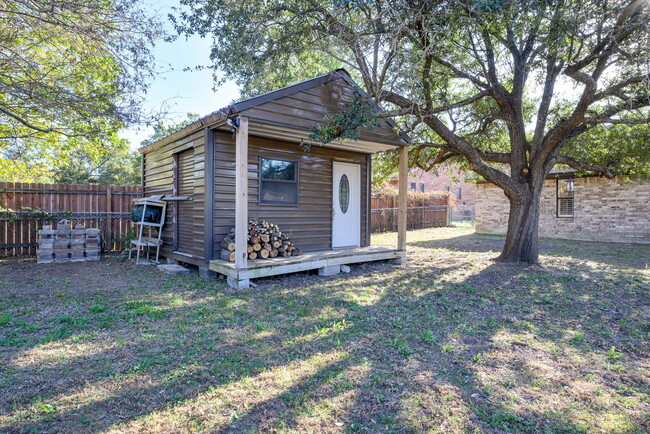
point(450, 342)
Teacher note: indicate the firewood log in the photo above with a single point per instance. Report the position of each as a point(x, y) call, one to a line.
point(227, 255)
point(264, 240)
point(228, 246)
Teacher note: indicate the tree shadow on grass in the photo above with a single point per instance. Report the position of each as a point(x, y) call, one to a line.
point(617, 254)
point(385, 348)
point(408, 373)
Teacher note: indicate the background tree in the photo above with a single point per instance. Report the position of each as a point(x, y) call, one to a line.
point(72, 72)
point(504, 85)
point(121, 167)
point(161, 130)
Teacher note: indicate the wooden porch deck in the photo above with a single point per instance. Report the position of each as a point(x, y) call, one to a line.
point(326, 261)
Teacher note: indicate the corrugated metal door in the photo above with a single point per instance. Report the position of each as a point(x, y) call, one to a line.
point(184, 211)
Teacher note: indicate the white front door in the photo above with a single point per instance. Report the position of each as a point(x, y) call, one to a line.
point(346, 205)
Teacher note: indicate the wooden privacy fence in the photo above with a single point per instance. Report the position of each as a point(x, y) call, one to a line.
point(25, 208)
point(421, 213)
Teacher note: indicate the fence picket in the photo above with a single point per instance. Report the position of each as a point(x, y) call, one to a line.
point(421, 213)
point(33, 205)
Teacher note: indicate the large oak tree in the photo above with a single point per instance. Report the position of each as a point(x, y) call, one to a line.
point(72, 72)
point(506, 85)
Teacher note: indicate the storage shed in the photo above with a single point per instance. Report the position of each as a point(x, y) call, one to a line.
point(245, 161)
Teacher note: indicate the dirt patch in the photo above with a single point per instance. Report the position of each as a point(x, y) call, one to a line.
point(449, 342)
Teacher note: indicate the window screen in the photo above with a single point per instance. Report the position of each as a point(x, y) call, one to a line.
point(278, 181)
point(564, 199)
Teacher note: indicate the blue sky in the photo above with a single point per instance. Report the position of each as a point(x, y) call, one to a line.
point(180, 91)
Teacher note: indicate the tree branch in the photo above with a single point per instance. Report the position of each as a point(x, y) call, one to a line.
point(580, 165)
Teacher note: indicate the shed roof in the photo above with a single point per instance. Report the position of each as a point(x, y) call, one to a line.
point(289, 113)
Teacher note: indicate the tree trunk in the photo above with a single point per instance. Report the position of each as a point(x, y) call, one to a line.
point(521, 239)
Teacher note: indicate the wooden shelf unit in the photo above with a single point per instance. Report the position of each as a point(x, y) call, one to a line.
point(145, 242)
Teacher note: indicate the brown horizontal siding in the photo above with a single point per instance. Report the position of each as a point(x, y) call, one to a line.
point(310, 223)
point(305, 109)
point(158, 178)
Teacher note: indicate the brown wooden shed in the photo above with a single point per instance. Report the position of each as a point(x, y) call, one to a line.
point(225, 162)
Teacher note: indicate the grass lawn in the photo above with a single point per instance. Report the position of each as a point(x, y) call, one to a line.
point(450, 342)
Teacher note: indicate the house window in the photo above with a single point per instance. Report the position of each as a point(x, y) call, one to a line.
point(421, 186)
point(413, 186)
point(564, 190)
point(278, 182)
point(459, 194)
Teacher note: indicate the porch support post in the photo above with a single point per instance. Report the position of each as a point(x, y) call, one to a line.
point(402, 202)
point(241, 206)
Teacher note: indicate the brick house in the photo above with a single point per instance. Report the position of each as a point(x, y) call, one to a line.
point(590, 208)
point(455, 183)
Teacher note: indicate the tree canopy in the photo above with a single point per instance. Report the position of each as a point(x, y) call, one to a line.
point(511, 87)
point(72, 73)
point(121, 167)
point(161, 130)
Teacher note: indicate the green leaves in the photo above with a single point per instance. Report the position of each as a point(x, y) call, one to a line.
point(345, 124)
point(71, 74)
point(501, 77)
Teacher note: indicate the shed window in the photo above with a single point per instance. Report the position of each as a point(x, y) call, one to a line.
point(421, 186)
point(564, 198)
point(412, 186)
point(278, 181)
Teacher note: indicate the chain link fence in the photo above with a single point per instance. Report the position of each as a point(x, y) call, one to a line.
point(462, 215)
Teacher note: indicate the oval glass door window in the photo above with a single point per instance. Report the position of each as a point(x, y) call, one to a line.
point(344, 193)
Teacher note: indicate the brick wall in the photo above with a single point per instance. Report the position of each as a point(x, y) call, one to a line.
point(604, 210)
point(451, 182)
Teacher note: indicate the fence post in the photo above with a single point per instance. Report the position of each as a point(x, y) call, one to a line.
point(109, 221)
point(394, 213)
point(448, 213)
point(422, 215)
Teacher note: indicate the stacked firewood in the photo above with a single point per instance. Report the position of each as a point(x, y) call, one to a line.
point(265, 240)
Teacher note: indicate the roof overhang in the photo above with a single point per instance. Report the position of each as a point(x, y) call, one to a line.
point(263, 128)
